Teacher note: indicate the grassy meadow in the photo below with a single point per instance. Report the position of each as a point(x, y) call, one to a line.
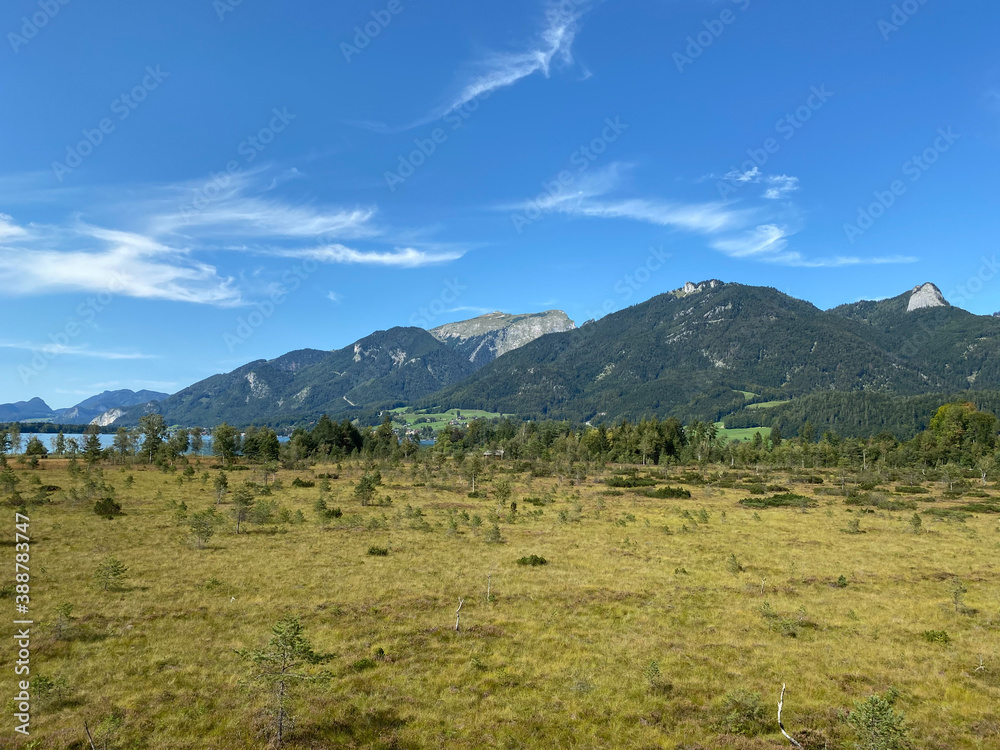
point(651, 625)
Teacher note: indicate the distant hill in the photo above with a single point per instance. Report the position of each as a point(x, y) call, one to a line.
point(21, 410)
point(487, 337)
point(82, 413)
point(385, 368)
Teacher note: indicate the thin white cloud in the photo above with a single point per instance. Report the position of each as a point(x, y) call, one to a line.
point(406, 257)
point(8, 229)
point(53, 349)
point(333, 296)
point(735, 232)
point(764, 241)
point(161, 255)
point(750, 175)
point(780, 185)
point(501, 69)
point(468, 308)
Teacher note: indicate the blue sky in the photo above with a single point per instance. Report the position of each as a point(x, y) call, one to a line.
point(192, 185)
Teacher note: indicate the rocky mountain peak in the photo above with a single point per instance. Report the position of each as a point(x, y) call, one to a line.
point(484, 338)
point(925, 296)
point(692, 288)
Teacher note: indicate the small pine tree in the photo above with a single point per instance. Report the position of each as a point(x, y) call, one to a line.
point(878, 725)
point(203, 526)
point(110, 573)
point(64, 620)
point(281, 665)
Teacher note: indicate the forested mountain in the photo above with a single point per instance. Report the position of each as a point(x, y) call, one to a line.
point(859, 415)
point(704, 351)
point(387, 367)
point(693, 352)
point(486, 337)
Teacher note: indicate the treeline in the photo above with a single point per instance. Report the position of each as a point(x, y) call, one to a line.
point(957, 434)
point(859, 415)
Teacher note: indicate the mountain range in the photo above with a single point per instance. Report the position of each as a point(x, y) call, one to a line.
point(710, 350)
point(84, 412)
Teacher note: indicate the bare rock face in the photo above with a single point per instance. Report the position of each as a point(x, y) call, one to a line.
point(485, 338)
point(692, 288)
point(926, 296)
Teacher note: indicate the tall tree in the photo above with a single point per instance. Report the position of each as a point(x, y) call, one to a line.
point(225, 443)
point(153, 430)
point(92, 450)
point(243, 501)
point(197, 440)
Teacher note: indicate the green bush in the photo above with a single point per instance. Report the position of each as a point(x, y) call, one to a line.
point(108, 508)
point(908, 489)
point(378, 551)
point(878, 725)
point(743, 713)
point(663, 493)
point(936, 636)
point(786, 500)
point(533, 560)
point(629, 482)
point(297, 482)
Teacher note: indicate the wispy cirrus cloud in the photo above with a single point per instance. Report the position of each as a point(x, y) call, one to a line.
point(755, 232)
point(551, 46)
point(406, 257)
point(174, 227)
point(501, 69)
point(53, 349)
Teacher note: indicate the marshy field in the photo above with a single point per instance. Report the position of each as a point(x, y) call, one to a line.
point(596, 606)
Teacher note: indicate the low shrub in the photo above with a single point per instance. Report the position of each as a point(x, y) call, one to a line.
point(936, 636)
point(663, 493)
point(533, 560)
point(108, 508)
point(378, 551)
point(786, 500)
point(629, 482)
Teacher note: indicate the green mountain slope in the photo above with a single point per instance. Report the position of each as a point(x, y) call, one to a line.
point(385, 368)
point(687, 353)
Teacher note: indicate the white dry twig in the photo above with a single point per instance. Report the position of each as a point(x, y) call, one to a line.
point(781, 702)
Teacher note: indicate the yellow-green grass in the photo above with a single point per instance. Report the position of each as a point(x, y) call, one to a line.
point(556, 661)
point(439, 420)
point(743, 434)
point(767, 404)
